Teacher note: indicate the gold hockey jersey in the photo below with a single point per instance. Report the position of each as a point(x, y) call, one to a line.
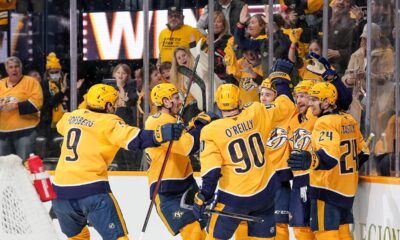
point(336, 141)
point(300, 129)
point(278, 148)
point(178, 174)
point(90, 143)
point(232, 154)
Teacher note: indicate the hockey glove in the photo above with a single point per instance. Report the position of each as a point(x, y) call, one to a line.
point(299, 160)
point(282, 65)
point(362, 158)
point(168, 132)
point(280, 73)
point(202, 119)
point(199, 206)
point(320, 66)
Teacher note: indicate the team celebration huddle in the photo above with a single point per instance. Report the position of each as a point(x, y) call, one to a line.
point(265, 144)
point(291, 159)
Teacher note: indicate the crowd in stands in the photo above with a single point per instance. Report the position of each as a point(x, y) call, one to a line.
point(240, 57)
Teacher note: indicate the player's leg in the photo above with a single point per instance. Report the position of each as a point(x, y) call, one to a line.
point(282, 199)
point(177, 219)
point(344, 228)
point(241, 231)
point(344, 232)
point(220, 227)
point(71, 219)
point(299, 208)
point(193, 231)
point(83, 235)
point(105, 214)
point(325, 220)
point(266, 229)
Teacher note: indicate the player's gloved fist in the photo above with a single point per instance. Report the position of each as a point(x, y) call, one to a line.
point(280, 72)
point(202, 119)
point(299, 160)
point(320, 65)
point(282, 65)
point(362, 158)
point(168, 132)
point(199, 206)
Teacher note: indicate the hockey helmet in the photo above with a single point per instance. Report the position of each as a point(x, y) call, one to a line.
point(101, 94)
point(324, 90)
point(161, 91)
point(304, 86)
point(227, 97)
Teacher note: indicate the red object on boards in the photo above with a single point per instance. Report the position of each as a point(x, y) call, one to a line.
point(41, 179)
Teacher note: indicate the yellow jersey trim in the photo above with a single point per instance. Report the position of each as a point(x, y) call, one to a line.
point(382, 180)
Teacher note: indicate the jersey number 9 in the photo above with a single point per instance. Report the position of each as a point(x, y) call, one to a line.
point(239, 152)
point(73, 137)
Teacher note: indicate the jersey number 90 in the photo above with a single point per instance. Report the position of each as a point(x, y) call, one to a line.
point(239, 150)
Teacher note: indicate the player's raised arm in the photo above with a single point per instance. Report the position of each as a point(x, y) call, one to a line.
point(321, 66)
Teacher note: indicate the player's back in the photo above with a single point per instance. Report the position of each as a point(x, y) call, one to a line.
point(90, 143)
point(340, 138)
point(247, 178)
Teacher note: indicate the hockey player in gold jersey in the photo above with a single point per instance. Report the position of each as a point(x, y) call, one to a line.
point(178, 174)
point(299, 135)
point(92, 137)
point(277, 151)
point(233, 157)
point(336, 155)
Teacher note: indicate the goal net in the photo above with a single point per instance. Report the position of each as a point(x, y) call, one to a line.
point(22, 214)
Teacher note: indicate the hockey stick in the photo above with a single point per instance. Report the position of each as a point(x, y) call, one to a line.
point(189, 206)
point(188, 73)
point(368, 141)
point(236, 216)
point(158, 184)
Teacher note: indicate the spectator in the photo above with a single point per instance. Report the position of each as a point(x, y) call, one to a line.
point(165, 71)
point(281, 43)
point(221, 37)
point(230, 8)
point(176, 34)
point(183, 57)
point(127, 96)
point(315, 47)
point(125, 108)
point(341, 35)
point(249, 76)
point(138, 80)
point(35, 74)
point(55, 97)
point(21, 99)
point(382, 68)
point(139, 84)
point(155, 79)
